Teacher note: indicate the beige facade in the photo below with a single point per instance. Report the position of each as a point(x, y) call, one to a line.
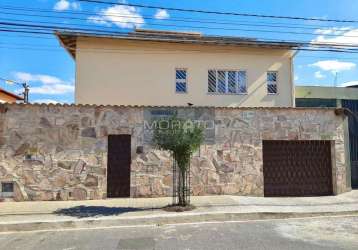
point(135, 72)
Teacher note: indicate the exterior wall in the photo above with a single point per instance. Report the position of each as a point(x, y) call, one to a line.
point(68, 148)
point(119, 72)
point(6, 98)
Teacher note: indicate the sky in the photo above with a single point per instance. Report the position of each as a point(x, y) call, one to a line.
point(50, 70)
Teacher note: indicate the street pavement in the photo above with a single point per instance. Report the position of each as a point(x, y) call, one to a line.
point(30, 216)
point(335, 232)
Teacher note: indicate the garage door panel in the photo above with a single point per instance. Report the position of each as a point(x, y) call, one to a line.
point(297, 168)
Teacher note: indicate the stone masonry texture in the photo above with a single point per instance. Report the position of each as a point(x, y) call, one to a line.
point(59, 152)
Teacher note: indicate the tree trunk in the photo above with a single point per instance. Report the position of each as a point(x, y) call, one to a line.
point(182, 188)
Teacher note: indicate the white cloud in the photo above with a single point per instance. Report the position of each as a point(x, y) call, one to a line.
point(46, 79)
point(75, 6)
point(47, 101)
point(296, 77)
point(119, 15)
point(50, 85)
point(347, 84)
point(342, 35)
point(319, 75)
point(63, 5)
point(98, 20)
point(334, 65)
point(56, 89)
point(333, 31)
point(23, 77)
point(162, 14)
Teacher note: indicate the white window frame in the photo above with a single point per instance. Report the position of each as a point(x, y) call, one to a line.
point(227, 82)
point(267, 82)
point(181, 80)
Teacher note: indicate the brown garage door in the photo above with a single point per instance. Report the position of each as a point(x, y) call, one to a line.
point(118, 166)
point(297, 168)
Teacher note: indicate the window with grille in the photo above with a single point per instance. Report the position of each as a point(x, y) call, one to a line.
point(180, 81)
point(227, 82)
point(7, 189)
point(272, 82)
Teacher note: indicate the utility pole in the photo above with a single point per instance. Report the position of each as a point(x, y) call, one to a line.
point(24, 85)
point(26, 92)
point(335, 79)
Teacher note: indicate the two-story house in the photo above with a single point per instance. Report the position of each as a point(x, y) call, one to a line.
point(176, 68)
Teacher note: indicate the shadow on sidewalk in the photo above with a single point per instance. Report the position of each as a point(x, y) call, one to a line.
point(95, 211)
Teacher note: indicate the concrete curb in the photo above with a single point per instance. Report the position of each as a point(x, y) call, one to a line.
point(156, 220)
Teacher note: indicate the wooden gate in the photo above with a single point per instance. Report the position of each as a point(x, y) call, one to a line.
point(297, 168)
point(118, 166)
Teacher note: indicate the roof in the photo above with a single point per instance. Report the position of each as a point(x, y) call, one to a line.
point(69, 105)
point(68, 39)
point(11, 94)
point(4, 107)
point(353, 84)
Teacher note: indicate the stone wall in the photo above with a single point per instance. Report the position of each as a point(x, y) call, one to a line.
point(54, 152)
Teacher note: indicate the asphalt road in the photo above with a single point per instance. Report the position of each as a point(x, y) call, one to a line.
point(310, 233)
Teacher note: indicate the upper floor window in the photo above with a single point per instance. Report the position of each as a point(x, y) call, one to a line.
point(180, 81)
point(227, 82)
point(272, 82)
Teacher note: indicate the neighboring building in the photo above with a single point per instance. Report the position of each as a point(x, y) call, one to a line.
point(6, 96)
point(176, 68)
point(316, 96)
point(336, 97)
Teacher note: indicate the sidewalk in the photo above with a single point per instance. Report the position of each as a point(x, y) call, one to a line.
point(23, 216)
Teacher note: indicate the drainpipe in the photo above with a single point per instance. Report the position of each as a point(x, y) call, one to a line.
point(292, 79)
point(345, 114)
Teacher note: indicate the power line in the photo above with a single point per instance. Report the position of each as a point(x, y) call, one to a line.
point(176, 20)
point(182, 19)
point(34, 46)
point(220, 13)
point(319, 49)
point(16, 35)
point(79, 29)
point(73, 29)
point(26, 31)
point(204, 27)
point(36, 26)
point(41, 29)
point(247, 30)
point(45, 30)
point(96, 50)
point(186, 26)
point(217, 28)
point(8, 80)
point(29, 36)
point(31, 48)
point(23, 84)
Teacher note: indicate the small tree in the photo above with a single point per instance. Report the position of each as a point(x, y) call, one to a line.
point(182, 138)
